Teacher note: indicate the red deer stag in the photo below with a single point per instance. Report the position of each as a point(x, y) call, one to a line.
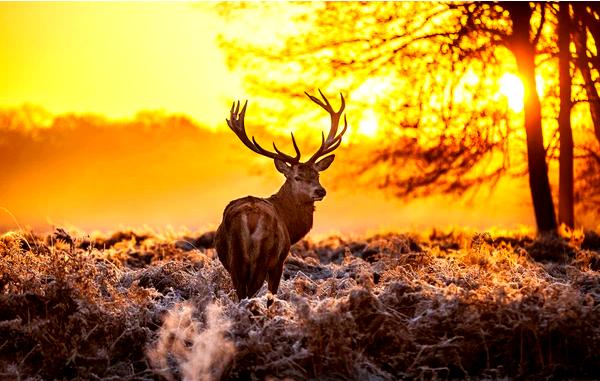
point(255, 235)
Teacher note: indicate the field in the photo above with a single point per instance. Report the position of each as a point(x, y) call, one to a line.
point(435, 305)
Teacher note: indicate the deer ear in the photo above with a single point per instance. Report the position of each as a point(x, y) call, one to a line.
point(282, 167)
point(323, 164)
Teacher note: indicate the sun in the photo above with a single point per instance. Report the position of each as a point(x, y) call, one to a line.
point(512, 88)
point(368, 124)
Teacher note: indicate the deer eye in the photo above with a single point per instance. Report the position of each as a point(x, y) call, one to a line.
point(298, 178)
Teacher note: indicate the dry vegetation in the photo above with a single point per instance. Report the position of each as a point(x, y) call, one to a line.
point(436, 306)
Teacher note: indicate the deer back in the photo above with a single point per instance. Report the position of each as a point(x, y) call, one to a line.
point(251, 241)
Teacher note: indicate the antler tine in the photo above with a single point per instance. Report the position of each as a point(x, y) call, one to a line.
point(297, 157)
point(333, 140)
point(236, 124)
point(335, 143)
point(325, 99)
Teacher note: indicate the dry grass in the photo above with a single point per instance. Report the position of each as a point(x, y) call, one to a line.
point(437, 306)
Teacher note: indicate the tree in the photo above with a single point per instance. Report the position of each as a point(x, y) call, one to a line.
point(566, 213)
point(587, 19)
point(585, 35)
point(524, 50)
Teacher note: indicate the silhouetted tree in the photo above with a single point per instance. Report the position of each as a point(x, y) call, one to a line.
point(523, 48)
point(566, 213)
point(587, 19)
point(585, 36)
point(572, 25)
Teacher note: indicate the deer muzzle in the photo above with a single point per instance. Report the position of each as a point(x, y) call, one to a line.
point(319, 194)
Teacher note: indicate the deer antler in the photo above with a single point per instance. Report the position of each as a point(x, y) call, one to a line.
point(236, 123)
point(332, 142)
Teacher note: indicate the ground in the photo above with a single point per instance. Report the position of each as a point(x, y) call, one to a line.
point(451, 305)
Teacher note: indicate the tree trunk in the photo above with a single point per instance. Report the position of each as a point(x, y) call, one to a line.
point(587, 22)
point(524, 51)
point(565, 179)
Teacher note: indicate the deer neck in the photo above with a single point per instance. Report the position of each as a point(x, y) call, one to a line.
point(296, 213)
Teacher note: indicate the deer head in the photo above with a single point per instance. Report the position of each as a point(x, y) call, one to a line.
point(302, 179)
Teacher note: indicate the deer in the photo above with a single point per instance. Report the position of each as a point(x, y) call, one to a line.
point(255, 235)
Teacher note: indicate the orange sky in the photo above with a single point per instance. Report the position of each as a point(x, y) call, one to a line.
point(115, 59)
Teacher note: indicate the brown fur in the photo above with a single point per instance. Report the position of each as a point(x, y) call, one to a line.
point(296, 214)
point(255, 237)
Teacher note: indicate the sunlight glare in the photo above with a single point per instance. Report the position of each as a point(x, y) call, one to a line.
point(540, 85)
point(512, 88)
point(368, 124)
point(470, 78)
point(371, 88)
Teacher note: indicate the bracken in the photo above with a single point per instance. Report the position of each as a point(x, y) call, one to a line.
point(395, 306)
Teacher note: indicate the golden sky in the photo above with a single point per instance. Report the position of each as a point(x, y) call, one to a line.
point(117, 59)
point(114, 59)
